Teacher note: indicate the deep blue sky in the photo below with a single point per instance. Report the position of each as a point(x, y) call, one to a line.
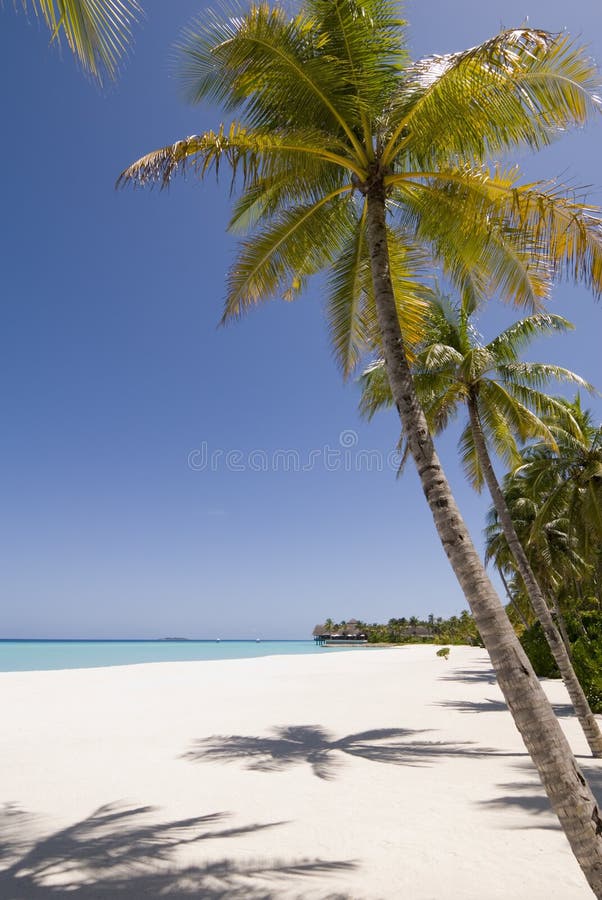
point(112, 372)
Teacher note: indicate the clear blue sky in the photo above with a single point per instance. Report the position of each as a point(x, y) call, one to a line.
point(112, 372)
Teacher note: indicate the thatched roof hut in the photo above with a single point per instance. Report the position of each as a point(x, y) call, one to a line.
point(345, 631)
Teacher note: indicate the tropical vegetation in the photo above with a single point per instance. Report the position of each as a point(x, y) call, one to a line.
point(555, 500)
point(460, 629)
point(353, 159)
point(505, 406)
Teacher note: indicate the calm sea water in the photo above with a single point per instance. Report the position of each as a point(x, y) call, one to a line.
point(22, 656)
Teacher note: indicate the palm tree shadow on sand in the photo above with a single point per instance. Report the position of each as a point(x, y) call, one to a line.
point(563, 710)
point(312, 744)
point(119, 853)
point(528, 795)
point(476, 675)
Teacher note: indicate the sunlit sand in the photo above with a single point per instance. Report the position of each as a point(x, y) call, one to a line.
point(390, 774)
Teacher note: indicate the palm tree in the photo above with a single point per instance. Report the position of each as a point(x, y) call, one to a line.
point(571, 477)
point(97, 31)
point(453, 369)
point(555, 497)
point(337, 130)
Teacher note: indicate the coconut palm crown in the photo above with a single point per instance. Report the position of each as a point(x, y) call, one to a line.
point(453, 370)
point(556, 496)
point(330, 106)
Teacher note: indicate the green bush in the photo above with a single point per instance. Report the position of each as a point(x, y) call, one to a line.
point(586, 653)
point(587, 659)
point(537, 649)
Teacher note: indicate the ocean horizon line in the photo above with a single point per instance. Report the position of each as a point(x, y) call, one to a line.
point(175, 640)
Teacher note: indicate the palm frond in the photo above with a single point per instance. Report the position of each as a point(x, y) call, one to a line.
point(411, 270)
point(504, 417)
point(437, 357)
point(569, 229)
point(439, 395)
point(469, 459)
point(476, 363)
point(266, 196)
point(283, 254)
point(376, 390)
point(441, 399)
point(539, 375)
point(366, 38)
point(551, 223)
point(98, 33)
point(546, 408)
point(251, 153)
point(522, 87)
point(411, 277)
point(505, 347)
point(348, 285)
point(270, 67)
point(471, 239)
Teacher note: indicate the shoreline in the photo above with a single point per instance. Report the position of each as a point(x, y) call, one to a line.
point(56, 655)
point(360, 776)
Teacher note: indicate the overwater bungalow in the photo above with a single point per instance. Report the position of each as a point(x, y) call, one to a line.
point(348, 633)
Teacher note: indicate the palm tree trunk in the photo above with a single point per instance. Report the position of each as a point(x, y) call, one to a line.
point(538, 602)
point(561, 624)
point(567, 789)
point(511, 599)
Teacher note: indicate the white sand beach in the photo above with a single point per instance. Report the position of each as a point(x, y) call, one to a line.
point(364, 774)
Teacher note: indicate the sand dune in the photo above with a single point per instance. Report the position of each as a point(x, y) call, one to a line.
point(364, 774)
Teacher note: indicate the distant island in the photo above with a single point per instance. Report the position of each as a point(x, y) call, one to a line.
point(174, 639)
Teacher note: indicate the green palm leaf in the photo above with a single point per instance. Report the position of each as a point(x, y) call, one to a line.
point(253, 153)
point(548, 222)
point(266, 196)
point(348, 286)
point(285, 252)
point(521, 87)
point(469, 459)
point(479, 252)
point(505, 419)
point(539, 375)
point(351, 311)
point(569, 229)
point(98, 33)
point(508, 344)
point(548, 409)
point(365, 38)
point(451, 369)
point(266, 64)
point(376, 390)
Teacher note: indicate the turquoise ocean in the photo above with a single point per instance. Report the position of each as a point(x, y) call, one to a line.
point(40, 655)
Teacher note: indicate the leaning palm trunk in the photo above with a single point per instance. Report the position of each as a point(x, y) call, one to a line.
point(553, 636)
point(561, 623)
point(515, 606)
point(566, 787)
